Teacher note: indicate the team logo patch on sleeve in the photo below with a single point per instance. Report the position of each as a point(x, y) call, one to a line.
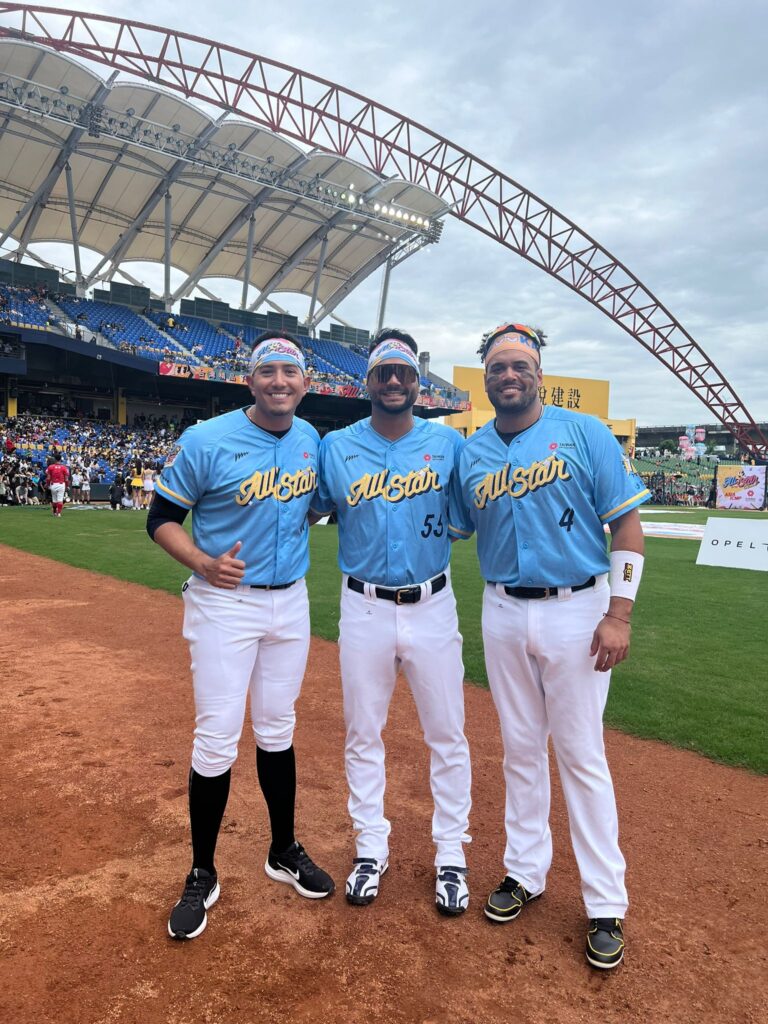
point(172, 457)
point(627, 575)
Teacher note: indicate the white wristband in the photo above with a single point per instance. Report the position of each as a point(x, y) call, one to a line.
point(626, 570)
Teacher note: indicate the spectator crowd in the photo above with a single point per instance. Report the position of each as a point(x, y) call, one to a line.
point(127, 459)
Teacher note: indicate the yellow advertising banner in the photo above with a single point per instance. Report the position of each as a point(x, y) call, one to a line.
point(741, 486)
point(580, 394)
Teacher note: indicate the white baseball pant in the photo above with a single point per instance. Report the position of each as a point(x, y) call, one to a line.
point(244, 642)
point(57, 492)
point(377, 638)
point(543, 682)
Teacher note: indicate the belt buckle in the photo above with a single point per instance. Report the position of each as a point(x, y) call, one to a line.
point(405, 590)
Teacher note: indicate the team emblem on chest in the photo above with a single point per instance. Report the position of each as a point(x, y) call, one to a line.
point(393, 487)
point(520, 481)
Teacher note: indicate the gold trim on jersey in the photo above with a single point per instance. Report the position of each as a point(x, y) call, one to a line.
point(629, 501)
point(393, 488)
point(455, 529)
point(284, 488)
point(520, 481)
point(161, 486)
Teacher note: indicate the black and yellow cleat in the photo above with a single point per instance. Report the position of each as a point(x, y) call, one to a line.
point(605, 942)
point(505, 903)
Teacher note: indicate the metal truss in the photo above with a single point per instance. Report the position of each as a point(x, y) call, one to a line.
point(323, 115)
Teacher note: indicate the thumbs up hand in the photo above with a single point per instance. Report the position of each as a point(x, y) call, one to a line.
point(226, 571)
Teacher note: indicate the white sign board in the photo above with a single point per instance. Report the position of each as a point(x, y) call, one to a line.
point(735, 543)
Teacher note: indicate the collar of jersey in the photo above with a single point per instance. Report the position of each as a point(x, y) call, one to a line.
point(418, 424)
point(491, 425)
point(263, 432)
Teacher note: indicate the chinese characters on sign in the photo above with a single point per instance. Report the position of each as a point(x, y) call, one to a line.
point(563, 398)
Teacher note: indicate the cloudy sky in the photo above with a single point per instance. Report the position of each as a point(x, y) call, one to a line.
point(643, 123)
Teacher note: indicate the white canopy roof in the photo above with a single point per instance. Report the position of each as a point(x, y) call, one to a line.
point(128, 145)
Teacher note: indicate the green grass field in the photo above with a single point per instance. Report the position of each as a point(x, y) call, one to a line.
point(696, 673)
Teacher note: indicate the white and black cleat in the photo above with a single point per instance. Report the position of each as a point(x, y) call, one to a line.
point(451, 890)
point(363, 883)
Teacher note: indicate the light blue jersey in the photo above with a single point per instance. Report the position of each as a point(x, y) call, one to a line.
point(245, 484)
point(391, 499)
point(540, 504)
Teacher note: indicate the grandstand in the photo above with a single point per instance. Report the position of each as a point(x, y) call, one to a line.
point(132, 172)
point(23, 308)
point(674, 481)
point(122, 327)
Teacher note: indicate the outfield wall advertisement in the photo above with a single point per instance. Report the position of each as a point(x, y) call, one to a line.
point(317, 387)
point(741, 487)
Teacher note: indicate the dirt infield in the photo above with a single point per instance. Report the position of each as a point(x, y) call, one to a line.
point(96, 740)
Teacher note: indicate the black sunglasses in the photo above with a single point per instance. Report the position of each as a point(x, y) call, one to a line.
point(383, 373)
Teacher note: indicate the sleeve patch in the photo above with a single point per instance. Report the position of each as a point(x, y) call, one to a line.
point(171, 458)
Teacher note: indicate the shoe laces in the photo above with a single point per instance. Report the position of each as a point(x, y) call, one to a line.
point(194, 891)
point(300, 858)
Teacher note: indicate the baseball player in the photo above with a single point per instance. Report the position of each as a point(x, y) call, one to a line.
point(248, 476)
point(537, 485)
point(57, 476)
point(388, 478)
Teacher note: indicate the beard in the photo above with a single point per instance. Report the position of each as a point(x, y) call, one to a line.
point(515, 401)
point(407, 402)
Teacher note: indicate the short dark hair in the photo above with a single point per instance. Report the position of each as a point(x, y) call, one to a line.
point(269, 335)
point(393, 332)
point(491, 336)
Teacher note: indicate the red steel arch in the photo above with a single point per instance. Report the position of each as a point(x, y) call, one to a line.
point(323, 115)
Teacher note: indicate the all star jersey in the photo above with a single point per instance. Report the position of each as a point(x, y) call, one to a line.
point(245, 484)
point(540, 504)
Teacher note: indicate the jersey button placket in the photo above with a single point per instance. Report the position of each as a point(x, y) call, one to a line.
point(277, 516)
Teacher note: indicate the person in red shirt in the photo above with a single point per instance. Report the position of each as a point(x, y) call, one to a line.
point(56, 477)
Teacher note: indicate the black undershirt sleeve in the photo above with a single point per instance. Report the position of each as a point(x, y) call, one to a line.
point(163, 511)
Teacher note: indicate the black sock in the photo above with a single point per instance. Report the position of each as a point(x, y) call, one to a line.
point(207, 801)
point(277, 778)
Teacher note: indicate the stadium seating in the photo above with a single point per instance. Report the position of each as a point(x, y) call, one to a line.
point(340, 358)
point(191, 339)
point(132, 329)
point(22, 307)
point(248, 334)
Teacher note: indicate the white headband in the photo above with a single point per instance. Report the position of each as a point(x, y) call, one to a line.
point(275, 350)
point(391, 348)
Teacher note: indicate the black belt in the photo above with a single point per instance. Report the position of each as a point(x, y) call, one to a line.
point(535, 593)
point(403, 595)
point(271, 586)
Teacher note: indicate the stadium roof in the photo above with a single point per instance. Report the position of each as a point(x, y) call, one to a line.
point(136, 172)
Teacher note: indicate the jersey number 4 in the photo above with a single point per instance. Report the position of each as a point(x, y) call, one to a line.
point(436, 530)
point(566, 519)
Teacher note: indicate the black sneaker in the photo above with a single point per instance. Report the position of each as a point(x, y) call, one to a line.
point(188, 918)
point(605, 942)
point(295, 867)
point(506, 902)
